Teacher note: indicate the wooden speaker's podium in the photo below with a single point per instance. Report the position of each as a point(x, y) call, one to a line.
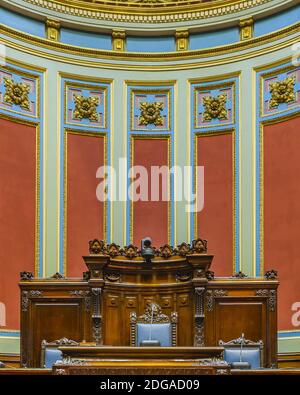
point(97, 308)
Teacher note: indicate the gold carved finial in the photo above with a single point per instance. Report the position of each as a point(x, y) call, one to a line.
point(150, 113)
point(215, 107)
point(17, 93)
point(118, 40)
point(182, 40)
point(246, 28)
point(52, 30)
point(282, 91)
point(86, 107)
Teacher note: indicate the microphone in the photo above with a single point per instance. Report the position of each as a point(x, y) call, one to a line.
point(241, 364)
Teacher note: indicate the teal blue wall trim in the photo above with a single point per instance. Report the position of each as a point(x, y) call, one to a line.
point(85, 39)
point(22, 22)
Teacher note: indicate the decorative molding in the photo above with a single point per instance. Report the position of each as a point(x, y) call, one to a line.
point(211, 295)
point(118, 40)
point(240, 274)
point(215, 107)
point(183, 276)
point(271, 274)
point(210, 275)
point(86, 108)
point(246, 28)
point(271, 294)
point(16, 93)
point(282, 91)
point(98, 247)
point(52, 30)
point(182, 40)
point(85, 295)
point(153, 314)
point(151, 113)
point(113, 277)
point(57, 276)
point(97, 315)
point(189, 10)
point(26, 296)
point(26, 276)
point(199, 340)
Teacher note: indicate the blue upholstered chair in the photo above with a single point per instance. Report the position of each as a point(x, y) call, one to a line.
point(243, 350)
point(51, 354)
point(153, 325)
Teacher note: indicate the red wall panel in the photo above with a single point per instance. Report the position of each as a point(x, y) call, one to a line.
point(215, 221)
point(282, 212)
point(85, 154)
point(150, 218)
point(17, 212)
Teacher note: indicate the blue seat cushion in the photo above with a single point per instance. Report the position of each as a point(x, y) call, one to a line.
point(160, 332)
point(251, 355)
point(52, 355)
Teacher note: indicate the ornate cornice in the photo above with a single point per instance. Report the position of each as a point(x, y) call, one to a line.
point(137, 11)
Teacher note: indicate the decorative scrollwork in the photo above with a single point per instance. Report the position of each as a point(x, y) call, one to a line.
point(57, 276)
point(271, 295)
point(26, 295)
point(282, 91)
point(199, 246)
point(26, 276)
point(166, 251)
point(151, 113)
point(183, 276)
point(113, 250)
point(85, 295)
point(17, 93)
point(113, 277)
point(271, 274)
point(153, 314)
point(211, 295)
point(210, 275)
point(215, 107)
point(240, 274)
point(86, 107)
point(96, 246)
point(131, 251)
point(183, 249)
point(97, 316)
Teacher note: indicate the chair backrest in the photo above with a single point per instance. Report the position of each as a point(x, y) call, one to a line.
point(153, 325)
point(243, 350)
point(50, 353)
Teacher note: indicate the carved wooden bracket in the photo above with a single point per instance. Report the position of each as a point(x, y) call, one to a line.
point(271, 295)
point(211, 295)
point(97, 316)
point(199, 317)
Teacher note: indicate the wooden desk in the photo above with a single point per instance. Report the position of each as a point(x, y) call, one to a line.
point(131, 354)
point(97, 308)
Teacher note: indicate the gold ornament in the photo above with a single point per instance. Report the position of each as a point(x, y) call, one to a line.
point(282, 91)
point(215, 107)
point(86, 107)
point(17, 93)
point(150, 113)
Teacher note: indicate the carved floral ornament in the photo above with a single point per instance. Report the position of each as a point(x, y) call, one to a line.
point(215, 107)
point(151, 113)
point(98, 247)
point(86, 107)
point(282, 92)
point(17, 93)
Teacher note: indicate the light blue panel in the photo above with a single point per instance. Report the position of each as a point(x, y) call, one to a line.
point(23, 23)
point(214, 38)
point(277, 21)
point(150, 44)
point(85, 39)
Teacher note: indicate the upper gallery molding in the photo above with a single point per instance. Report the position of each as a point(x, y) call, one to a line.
point(147, 11)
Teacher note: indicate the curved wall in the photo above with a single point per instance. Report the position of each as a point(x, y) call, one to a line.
point(240, 218)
